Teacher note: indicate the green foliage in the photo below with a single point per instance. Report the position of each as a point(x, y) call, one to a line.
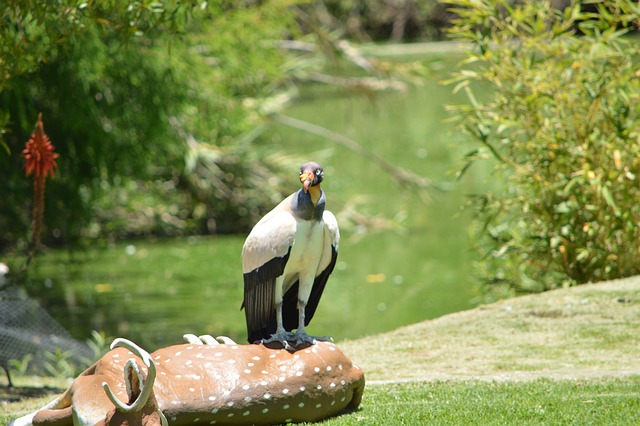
point(562, 128)
point(387, 20)
point(20, 367)
point(59, 363)
point(99, 344)
point(127, 103)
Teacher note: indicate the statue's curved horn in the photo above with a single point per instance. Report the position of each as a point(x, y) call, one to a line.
point(146, 385)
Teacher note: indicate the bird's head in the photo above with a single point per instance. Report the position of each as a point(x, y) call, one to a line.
point(311, 174)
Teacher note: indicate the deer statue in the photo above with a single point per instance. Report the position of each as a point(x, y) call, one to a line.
point(207, 382)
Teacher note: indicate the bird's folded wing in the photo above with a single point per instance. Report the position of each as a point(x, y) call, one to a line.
point(264, 256)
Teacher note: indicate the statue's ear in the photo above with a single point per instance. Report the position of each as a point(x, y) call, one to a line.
point(133, 380)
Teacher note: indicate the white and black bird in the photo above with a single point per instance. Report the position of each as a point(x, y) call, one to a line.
point(286, 260)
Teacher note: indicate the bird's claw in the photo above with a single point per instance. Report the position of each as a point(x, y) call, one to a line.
point(281, 338)
point(305, 340)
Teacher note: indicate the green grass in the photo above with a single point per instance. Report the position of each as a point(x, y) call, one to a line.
point(539, 402)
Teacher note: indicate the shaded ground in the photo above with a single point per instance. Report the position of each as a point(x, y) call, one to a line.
point(579, 332)
point(20, 393)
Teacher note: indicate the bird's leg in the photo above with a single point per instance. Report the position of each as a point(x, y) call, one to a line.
point(281, 335)
point(301, 335)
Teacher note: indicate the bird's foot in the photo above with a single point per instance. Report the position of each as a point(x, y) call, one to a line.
point(283, 338)
point(303, 340)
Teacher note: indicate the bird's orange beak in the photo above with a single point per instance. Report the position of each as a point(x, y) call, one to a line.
point(307, 179)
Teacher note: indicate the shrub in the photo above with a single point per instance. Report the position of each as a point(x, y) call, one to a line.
point(562, 125)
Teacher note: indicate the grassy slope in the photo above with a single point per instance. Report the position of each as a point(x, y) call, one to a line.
point(493, 364)
point(577, 332)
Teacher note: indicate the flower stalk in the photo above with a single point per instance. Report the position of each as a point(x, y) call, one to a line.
point(40, 161)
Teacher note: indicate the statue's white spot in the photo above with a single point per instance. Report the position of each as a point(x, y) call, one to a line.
point(173, 419)
point(162, 373)
point(196, 420)
point(307, 351)
point(286, 406)
point(340, 367)
point(302, 388)
point(158, 357)
point(301, 405)
point(317, 369)
point(212, 422)
point(246, 413)
point(208, 364)
point(264, 372)
point(333, 385)
point(189, 362)
point(226, 393)
point(231, 361)
point(282, 378)
point(285, 391)
point(199, 356)
point(328, 368)
point(230, 415)
point(318, 405)
point(230, 403)
point(218, 354)
point(119, 393)
point(319, 387)
point(116, 360)
point(247, 371)
point(250, 364)
point(234, 347)
point(272, 356)
point(331, 348)
point(174, 402)
point(246, 387)
point(342, 382)
point(343, 398)
point(264, 383)
point(296, 356)
point(288, 420)
point(178, 353)
point(214, 411)
point(265, 410)
point(168, 360)
point(267, 396)
point(247, 399)
point(192, 390)
point(333, 402)
point(283, 367)
point(212, 398)
point(116, 355)
point(256, 358)
point(178, 376)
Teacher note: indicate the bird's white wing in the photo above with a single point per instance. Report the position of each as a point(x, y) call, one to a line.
point(271, 238)
point(331, 240)
point(264, 256)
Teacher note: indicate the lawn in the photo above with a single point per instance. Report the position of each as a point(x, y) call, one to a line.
point(537, 402)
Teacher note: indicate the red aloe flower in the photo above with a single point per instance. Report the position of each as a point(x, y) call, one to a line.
point(41, 160)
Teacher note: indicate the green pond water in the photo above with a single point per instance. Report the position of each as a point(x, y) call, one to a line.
point(413, 264)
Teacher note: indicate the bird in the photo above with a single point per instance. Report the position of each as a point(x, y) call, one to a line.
point(286, 260)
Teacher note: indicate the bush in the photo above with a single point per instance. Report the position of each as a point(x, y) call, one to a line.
point(562, 125)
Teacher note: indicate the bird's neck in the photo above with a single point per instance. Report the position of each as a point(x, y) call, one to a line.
point(314, 193)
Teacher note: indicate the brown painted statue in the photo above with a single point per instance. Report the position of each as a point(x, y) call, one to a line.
point(206, 382)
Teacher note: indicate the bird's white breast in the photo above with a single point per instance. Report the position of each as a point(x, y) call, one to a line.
point(305, 252)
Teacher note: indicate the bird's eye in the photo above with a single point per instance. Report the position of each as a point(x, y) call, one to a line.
point(318, 172)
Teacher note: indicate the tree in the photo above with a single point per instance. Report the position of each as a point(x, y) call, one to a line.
point(561, 125)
